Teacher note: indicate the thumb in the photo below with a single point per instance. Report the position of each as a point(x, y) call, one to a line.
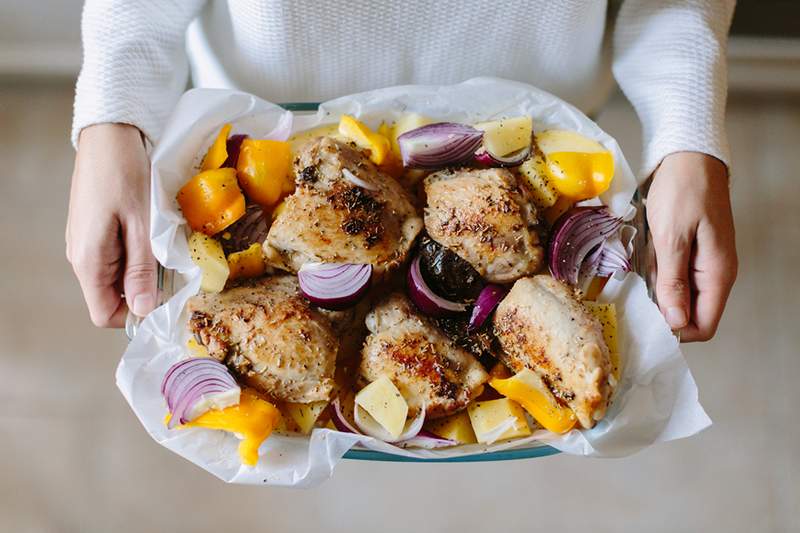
point(139, 280)
point(672, 279)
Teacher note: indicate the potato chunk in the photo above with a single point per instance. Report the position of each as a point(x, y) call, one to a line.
point(207, 254)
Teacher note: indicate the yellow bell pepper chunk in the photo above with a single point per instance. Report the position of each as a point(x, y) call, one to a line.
point(576, 166)
point(247, 263)
point(365, 138)
point(218, 152)
point(528, 389)
point(211, 201)
point(253, 418)
point(264, 169)
point(580, 175)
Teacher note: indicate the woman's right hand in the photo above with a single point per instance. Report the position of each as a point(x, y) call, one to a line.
point(108, 226)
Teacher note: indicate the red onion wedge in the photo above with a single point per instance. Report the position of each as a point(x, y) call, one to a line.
point(194, 386)
point(484, 157)
point(233, 145)
point(429, 441)
point(487, 300)
point(334, 285)
point(370, 427)
point(339, 420)
point(252, 228)
point(575, 234)
point(439, 145)
point(425, 299)
point(610, 257)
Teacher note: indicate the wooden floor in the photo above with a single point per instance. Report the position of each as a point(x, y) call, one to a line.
point(74, 458)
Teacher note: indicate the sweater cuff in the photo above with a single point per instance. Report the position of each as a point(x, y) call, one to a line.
point(688, 125)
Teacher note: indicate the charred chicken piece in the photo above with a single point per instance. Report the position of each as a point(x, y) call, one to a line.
point(343, 211)
point(270, 336)
point(543, 327)
point(426, 366)
point(483, 216)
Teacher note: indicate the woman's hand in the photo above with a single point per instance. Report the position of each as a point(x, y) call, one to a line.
point(689, 212)
point(108, 235)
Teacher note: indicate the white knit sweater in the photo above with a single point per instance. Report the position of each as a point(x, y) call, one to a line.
point(667, 56)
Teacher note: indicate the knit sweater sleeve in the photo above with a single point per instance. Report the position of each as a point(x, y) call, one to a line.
point(669, 60)
point(134, 62)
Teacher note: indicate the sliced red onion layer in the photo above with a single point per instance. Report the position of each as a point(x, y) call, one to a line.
point(428, 302)
point(484, 157)
point(339, 420)
point(607, 259)
point(233, 146)
point(355, 180)
point(487, 300)
point(439, 145)
point(193, 386)
point(334, 285)
point(574, 236)
point(370, 427)
point(429, 441)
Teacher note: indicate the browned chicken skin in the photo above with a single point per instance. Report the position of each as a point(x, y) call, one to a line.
point(543, 327)
point(331, 219)
point(426, 366)
point(269, 335)
point(483, 216)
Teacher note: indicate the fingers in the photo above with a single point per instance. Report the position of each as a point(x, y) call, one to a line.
point(107, 308)
point(139, 279)
point(673, 253)
point(715, 270)
point(97, 266)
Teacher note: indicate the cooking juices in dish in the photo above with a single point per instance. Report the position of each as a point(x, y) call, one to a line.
point(393, 282)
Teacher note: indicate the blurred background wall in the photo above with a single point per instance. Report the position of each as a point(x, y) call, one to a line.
point(73, 457)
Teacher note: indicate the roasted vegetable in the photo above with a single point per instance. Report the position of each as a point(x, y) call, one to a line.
point(207, 253)
point(263, 168)
point(252, 228)
point(479, 342)
point(358, 132)
point(248, 263)
point(447, 274)
point(211, 201)
point(218, 152)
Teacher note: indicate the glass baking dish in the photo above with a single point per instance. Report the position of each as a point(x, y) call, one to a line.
point(642, 262)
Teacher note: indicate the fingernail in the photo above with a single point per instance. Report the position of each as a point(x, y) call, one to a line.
point(143, 304)
point(676, 317)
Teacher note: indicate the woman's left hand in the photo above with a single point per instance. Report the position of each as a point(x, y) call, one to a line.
point(689, 212)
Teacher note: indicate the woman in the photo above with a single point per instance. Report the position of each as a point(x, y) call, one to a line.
point(668, 58)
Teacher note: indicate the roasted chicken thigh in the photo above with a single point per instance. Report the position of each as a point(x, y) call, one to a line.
point(543, 327)
point(343, 211)
point(269, 335)
point(482, 216)
point(426, 366)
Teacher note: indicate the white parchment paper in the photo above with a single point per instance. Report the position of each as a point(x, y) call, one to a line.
point(656, 399)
